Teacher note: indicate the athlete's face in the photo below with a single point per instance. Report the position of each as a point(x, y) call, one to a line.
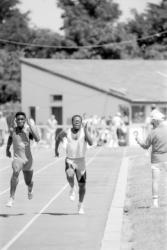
point(20, 121)
point(77, 122)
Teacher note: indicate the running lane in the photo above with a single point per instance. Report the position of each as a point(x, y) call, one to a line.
point(50, 220)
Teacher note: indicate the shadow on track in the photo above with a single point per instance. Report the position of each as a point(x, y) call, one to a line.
point(60, 214)
point(10, 215)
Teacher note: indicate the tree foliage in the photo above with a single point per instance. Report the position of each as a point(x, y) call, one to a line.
point(7, 7)
point(91, 31)
point(152, 21)
point(44, 37)
point(91, 22)
point(13, 26)
point(9, 76)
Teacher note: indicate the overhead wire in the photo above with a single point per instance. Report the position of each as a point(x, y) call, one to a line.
point(158, 34)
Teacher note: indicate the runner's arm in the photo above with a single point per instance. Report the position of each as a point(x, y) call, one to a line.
point(59, 139)
point(88, 137)
point(9, 143)
point(33, 131)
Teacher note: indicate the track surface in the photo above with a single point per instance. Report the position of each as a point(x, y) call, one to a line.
point(50, 219)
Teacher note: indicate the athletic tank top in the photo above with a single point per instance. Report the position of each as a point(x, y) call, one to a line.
point(21, 143)
point(76, 144)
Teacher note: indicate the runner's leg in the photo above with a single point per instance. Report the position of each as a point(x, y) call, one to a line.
point(70, 173)
point(28, 175)
point(82, 187)
point(155, 185)
point(17, 166)
point(82, 191)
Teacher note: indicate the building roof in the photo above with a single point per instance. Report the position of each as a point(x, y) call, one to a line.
point(133, 80)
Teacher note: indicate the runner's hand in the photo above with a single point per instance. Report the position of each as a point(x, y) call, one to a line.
point(8, 153)
point(85, 127)
point(28, 122)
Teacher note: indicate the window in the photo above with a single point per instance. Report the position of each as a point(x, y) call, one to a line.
point(138, 114)
point(164, 110)
point(56, 98)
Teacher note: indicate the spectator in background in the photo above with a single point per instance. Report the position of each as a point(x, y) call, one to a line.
point(10, 120)
point(157, 139)
point(117, 124)
point(148, 124)
point(126, 118)
point(3, 128)
point(148, 119)
point(51, 124)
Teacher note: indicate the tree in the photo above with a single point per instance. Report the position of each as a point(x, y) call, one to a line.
point(147, 24)
point(6, 9)
point(9, 75)
point(93, 26)
point(89, 22)
point(15, 28)
point(46, 38)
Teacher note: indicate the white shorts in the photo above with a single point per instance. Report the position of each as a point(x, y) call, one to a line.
point(159, 166)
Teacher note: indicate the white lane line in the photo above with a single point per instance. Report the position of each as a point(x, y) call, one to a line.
point(162, 74)
point(34, 218)
point(2, 169)
point(112, 234)
point(2, 158)
point(36, 172)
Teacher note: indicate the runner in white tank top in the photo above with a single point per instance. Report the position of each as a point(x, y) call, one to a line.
point(76, 139)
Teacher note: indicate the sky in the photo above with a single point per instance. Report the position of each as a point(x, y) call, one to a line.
point(45, 14)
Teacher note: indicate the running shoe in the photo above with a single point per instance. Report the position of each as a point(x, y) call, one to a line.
point(155, 203)
point(72, 194)
point(10, 202)
point(80, 209)
point(30, 193)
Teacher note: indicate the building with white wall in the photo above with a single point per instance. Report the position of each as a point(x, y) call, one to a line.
point(101, 87)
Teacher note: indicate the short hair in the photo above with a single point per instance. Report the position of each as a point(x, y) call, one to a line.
point(74, 116)
point(20, 113)
point(153, 106)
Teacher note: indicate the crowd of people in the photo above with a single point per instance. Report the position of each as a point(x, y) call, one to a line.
point(112, 130)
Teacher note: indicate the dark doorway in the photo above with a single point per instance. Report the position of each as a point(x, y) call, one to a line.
point(58, 113)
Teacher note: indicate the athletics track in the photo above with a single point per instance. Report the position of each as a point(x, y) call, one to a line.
point(50, 219)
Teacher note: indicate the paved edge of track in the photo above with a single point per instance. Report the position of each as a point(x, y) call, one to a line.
point(113, 230)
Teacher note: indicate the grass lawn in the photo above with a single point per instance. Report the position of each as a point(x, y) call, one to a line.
point(144, 227)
